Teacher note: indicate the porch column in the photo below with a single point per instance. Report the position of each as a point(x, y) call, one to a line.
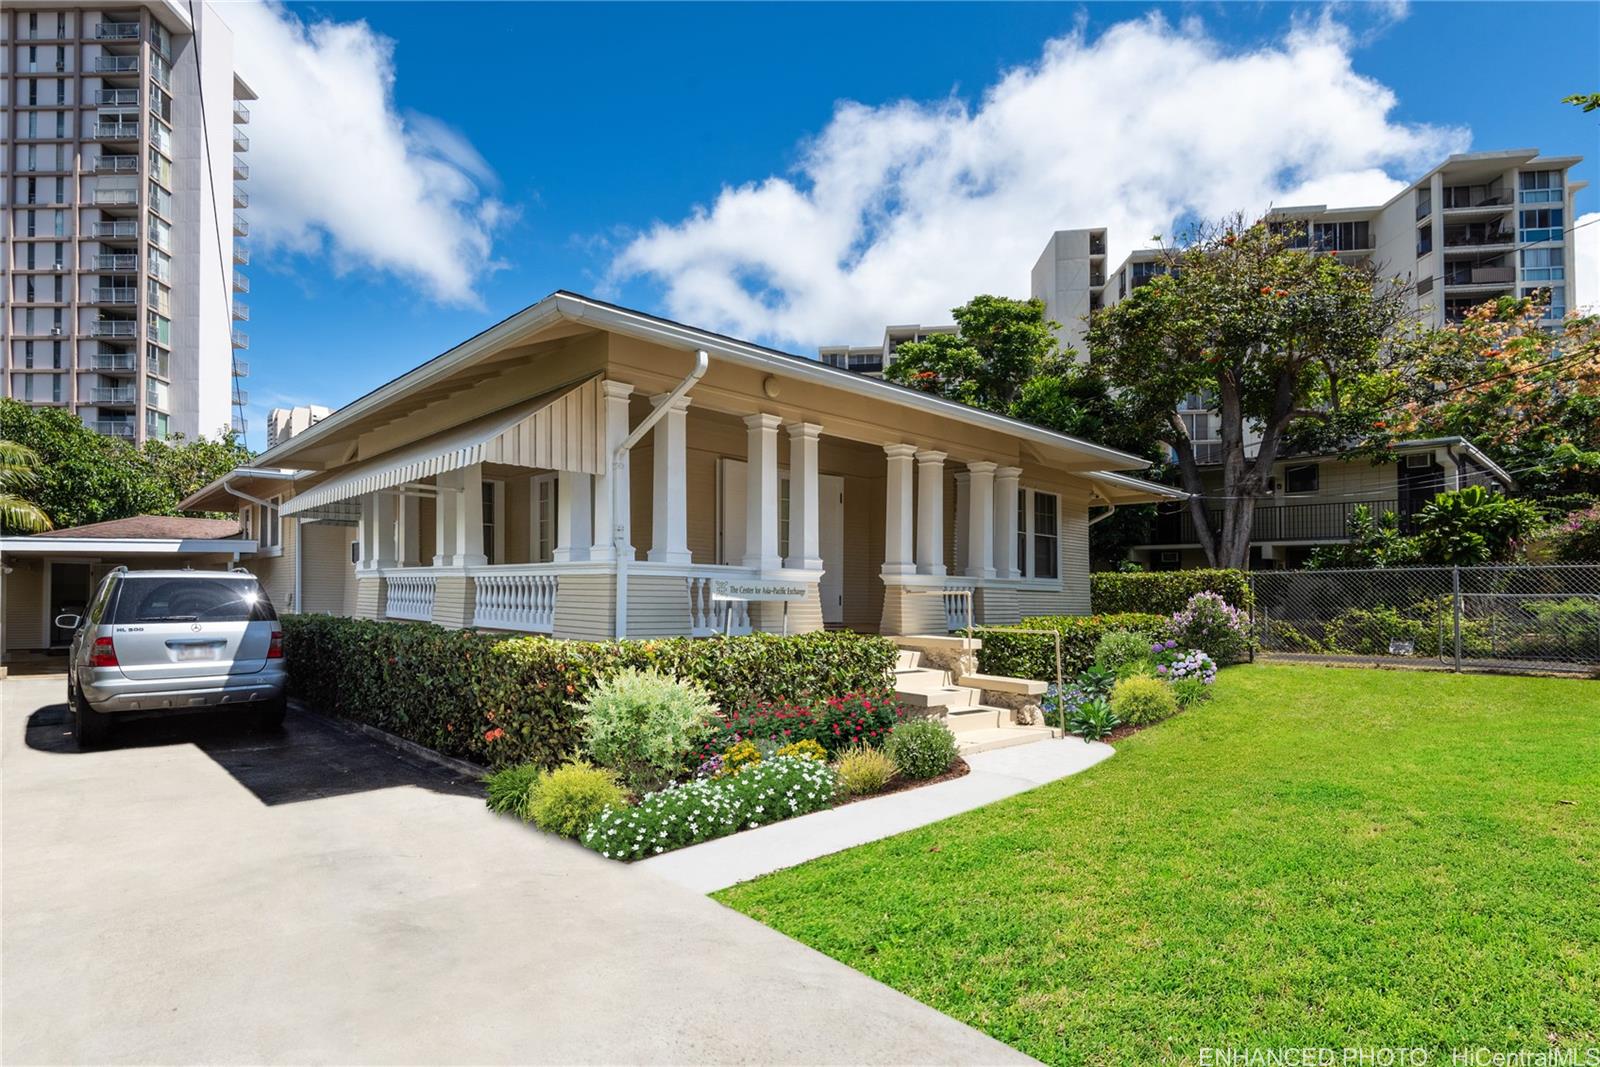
point(963, 494)
point(761, 493)
point(383, 548)
point(445, 501)
point(611, 501)
point(469, 519)
point(574, 494)
point(367, 531)
point(408, 528)
point(669, 507)
point(805, 498)
point(980, 520)
point(1005, 522)
point(897, 555)
point(930, 512)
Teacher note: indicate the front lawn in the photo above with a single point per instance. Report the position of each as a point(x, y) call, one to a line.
point(1317, 857)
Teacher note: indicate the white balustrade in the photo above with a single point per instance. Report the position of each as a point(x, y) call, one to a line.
point(409, 596)
point(956, 604)
point(515, 601)
point(708, 616)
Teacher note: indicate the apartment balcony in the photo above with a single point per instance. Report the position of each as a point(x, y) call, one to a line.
point(241, 226)
point(113, 328)
point(116, 64)
point(116, 97)
point(1097, 245)
point(241, 114)
point(114, 428)
point(121, 395)
point(241, 254)
point(241, 369)
point(116, 31)
point(1476, 237)
point(1280, 522)
point(120, 261)
point(117, 197)
point(1097, 278)
point(241, 169)
point(240, 397)
point(105, 164)
point(240, 197)
point(115, 295)
point(241, 424)
point(115, 362)
point(124, 228)
point(116, 131)
point(1498, 276)
point(241, 143)
point(241, 284)
point(240, 339)
point(241, 311)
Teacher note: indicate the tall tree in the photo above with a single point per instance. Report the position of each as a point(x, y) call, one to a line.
point(1002, 344)
point(19, 475)
point(1287, 341)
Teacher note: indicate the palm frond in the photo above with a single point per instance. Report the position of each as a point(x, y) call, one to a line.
point(22, 515)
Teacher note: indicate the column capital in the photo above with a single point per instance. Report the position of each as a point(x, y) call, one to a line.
point(762, 420)
point(900, 451)
point(929, 459)
point(811, 430)
point(612, 388)
point(1002, 473)
point(661, 398)
point(982, 466)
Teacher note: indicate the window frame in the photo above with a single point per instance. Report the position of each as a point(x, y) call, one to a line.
point(1029, 536)
point(1316, 479)
point(538, 520)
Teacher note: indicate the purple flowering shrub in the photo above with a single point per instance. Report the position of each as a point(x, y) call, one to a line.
point(1215, 627)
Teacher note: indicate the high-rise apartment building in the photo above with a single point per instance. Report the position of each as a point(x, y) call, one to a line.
point(1477, 226)
point(122, 160)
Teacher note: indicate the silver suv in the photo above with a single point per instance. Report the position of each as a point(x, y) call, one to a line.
point(154, 641)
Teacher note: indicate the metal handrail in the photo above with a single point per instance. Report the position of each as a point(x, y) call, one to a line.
point(1061, 685)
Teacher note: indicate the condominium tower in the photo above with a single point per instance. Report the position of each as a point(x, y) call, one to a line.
point(122, 164)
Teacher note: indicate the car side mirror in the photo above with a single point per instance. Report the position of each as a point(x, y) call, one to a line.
point(68, 622)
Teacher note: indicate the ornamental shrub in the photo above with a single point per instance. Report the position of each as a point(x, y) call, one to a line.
point(1121, 648)
point(566, 800)
point(645, 724)
point(805, 748)
point(700, 810)
point(1165, 592)
point(1019, 654)
point(499, 700)
point(863, 770)
point(921, 748)
point(1093, 719)
point(740, 754)
point(1208, 623)
point(1190, 691)
point(835, 723)
point(1173, 665)
point(1142, 701)
point(1576, 538)
point(510, 789)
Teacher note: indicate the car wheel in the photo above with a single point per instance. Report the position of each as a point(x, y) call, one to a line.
point(90, 729)
point(270, 716)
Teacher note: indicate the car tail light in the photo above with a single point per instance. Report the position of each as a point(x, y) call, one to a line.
point(275, 649)
point(104, 653)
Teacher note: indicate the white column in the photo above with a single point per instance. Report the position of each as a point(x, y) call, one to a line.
point(980, 520)
point(897, 515)
point(669, 507)
point(367, 531)
point(445, 502)
point(805, 498)
point(963, 494)
point(469, 519)
point(574, 493)
point(761, 493)
point(611, 511)
point(408, 528)
point(1005, 522)
point(930, 512)
point(384, 548)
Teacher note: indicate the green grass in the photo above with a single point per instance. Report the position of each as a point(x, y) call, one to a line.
point(1318, 857)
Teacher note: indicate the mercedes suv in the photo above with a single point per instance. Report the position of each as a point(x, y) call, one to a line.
point(162, 641)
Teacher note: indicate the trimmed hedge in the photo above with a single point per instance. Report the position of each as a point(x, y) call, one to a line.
point(1020, 655)
point(1165, 592)
point(498, 700)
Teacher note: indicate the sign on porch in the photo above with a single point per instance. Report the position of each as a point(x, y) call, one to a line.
point(755, 589)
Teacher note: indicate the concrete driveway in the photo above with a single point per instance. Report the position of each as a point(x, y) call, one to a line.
point(204, 894)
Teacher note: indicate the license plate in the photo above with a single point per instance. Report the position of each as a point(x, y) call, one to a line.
point(196, 652)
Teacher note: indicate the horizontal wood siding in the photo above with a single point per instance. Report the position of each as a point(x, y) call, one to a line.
point(586, 607)
point(327, 578)
point(658, 605)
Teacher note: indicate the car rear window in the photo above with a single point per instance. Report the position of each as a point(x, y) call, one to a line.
point(191, 600)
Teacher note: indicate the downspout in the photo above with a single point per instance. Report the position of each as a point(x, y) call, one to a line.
point(1111, 509)
point(242, 495)
point(619, 459)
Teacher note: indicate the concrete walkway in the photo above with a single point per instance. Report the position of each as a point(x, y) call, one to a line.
point(204, 894)
point(995, 774)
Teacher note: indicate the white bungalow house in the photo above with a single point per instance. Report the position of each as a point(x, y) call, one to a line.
point(588, 471)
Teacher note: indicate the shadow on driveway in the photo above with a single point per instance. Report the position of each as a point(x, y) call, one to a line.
point(309, 759)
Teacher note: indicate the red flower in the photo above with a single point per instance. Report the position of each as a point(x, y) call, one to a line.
point(493, 735)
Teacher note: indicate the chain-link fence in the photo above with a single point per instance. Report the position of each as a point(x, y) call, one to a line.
point(1529, 617)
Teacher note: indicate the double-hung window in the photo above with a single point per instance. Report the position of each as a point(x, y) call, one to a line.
point(545, 497)
point(1038, 534)
point(271, 525)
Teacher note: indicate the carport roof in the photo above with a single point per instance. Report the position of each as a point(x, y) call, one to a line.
point(137, 535)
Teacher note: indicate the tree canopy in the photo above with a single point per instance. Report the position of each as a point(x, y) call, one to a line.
point(84, 476)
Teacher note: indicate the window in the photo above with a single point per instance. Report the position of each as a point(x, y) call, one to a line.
point(271, 527)
point(1301, 478)
point(1556, 294)
point(157, 600)
point(1038, 534)
point(494, 548)
point(545, 495)
point(1540, 186)
point(1543, 224)
point(247, 522)
point(1543, 265)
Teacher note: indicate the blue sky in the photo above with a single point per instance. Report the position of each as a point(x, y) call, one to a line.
point(558, 136)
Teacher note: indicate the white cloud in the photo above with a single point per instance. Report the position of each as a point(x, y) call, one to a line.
point(336, 169)
point(1586, 248)
point(896, 213)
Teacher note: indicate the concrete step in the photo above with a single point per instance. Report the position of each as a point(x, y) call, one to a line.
point(974, 716)
point(942, 696)
point(909, 659)
point(999, 683)
point(971, 741)
point(939, 642)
